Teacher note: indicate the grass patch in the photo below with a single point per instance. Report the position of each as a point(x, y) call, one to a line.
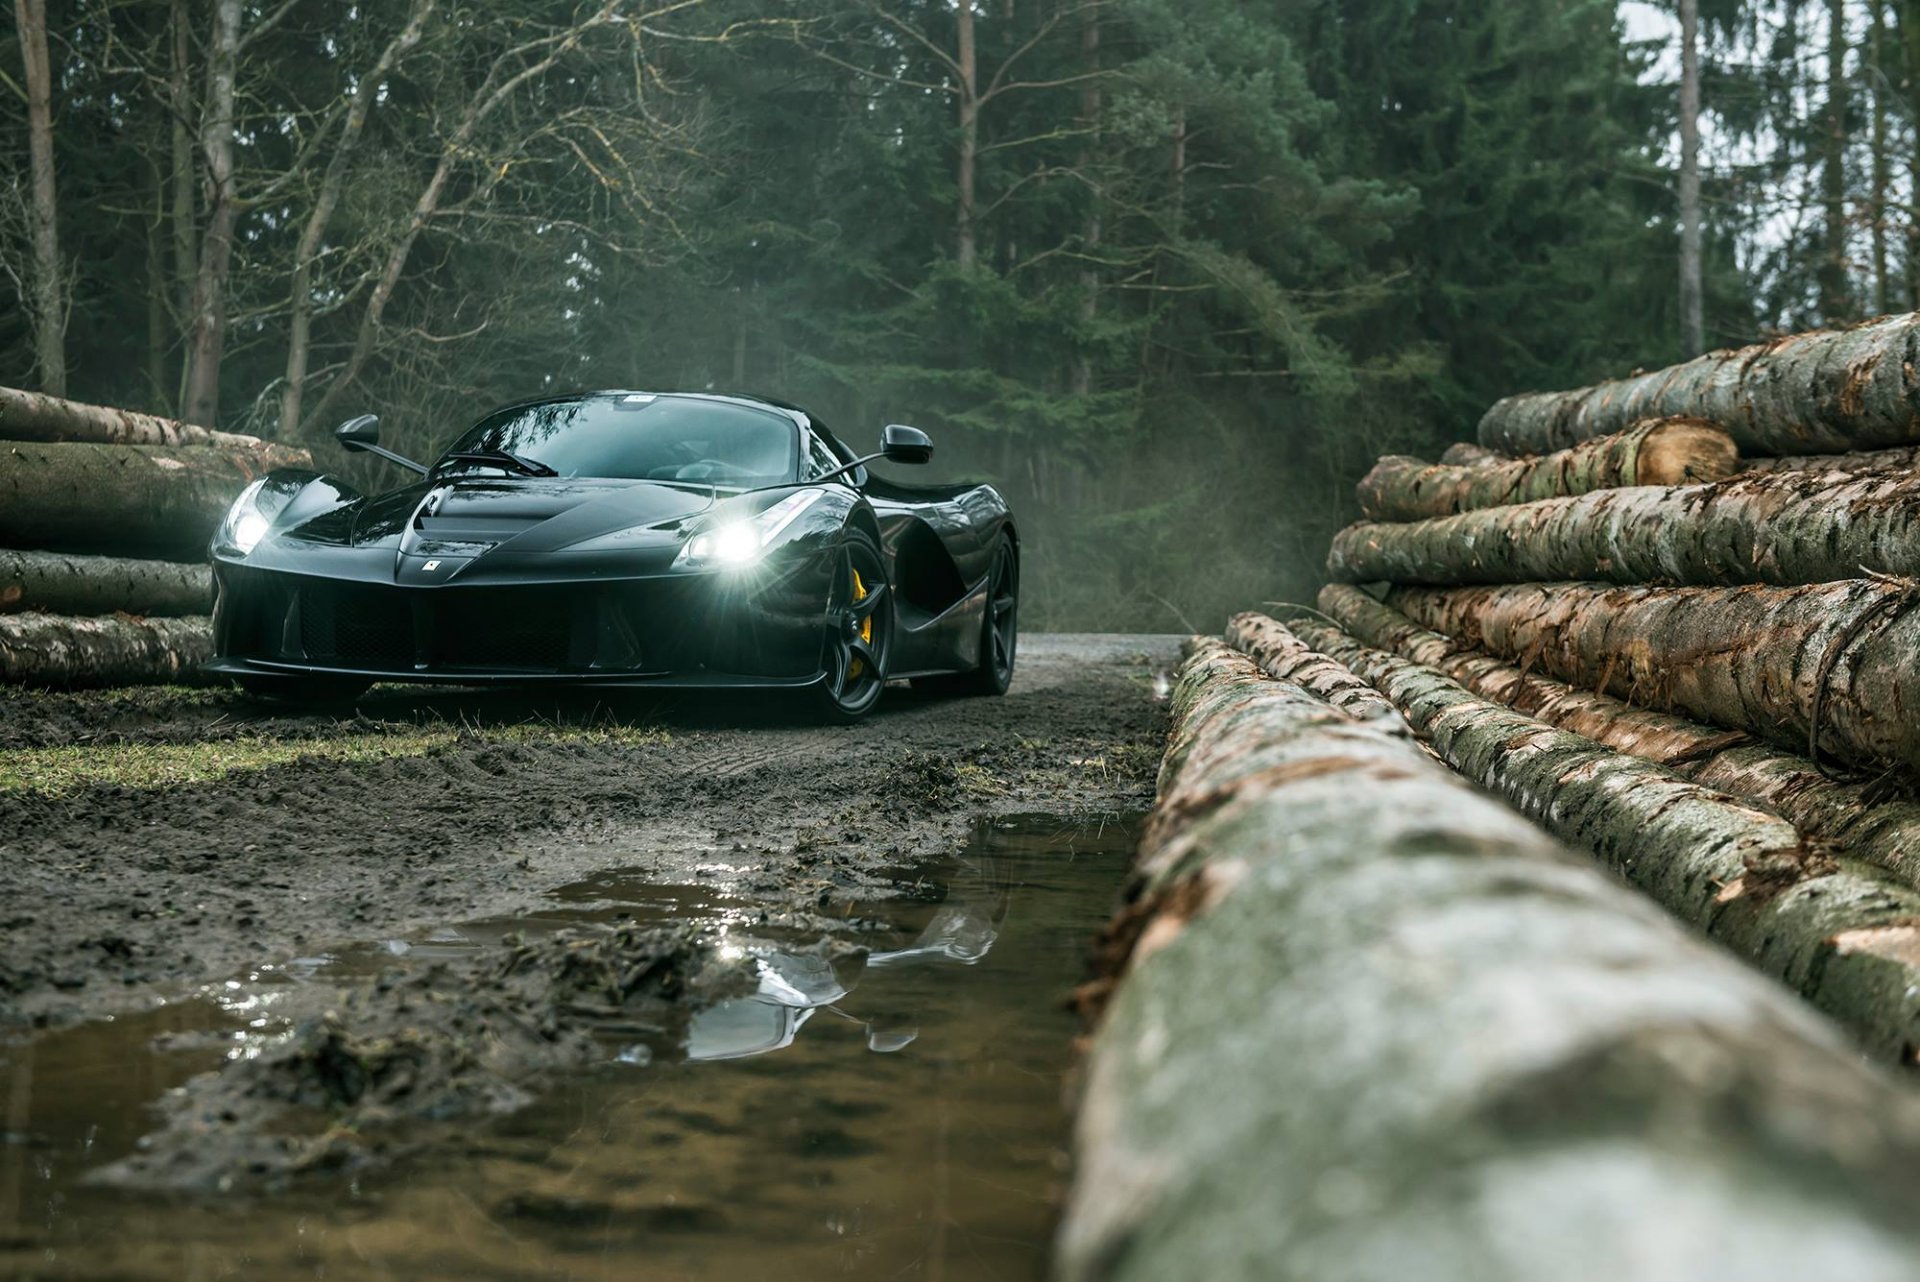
point(54, 771)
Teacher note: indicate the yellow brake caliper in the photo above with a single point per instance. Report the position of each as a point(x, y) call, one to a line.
point(866, 625)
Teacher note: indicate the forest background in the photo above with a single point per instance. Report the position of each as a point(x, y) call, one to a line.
point(1170, 272)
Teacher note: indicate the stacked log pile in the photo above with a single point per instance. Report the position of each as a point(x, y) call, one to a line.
point(104, 521)
point(1674, 621)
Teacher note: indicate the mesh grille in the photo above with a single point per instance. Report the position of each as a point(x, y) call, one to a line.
point(360, 626)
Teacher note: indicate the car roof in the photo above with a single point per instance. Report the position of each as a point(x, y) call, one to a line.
point(794, 412)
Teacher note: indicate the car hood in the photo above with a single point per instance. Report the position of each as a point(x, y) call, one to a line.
point(473, 517)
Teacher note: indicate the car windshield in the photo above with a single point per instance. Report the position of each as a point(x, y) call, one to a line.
point(643, 437)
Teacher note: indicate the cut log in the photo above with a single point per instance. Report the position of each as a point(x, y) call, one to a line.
point(1770, 661)
point(50, 650)
point(1901, 458)
point(1467, 454)
point(66, 583)
point(1280, 654)
point(1663, 452)
point(1378, 1026)
point(128, 499)
point(1779, 662)
point(1738, 874)
point(1771, 527)
point(1848, 816)
point(31, 416)
point(1824, 392)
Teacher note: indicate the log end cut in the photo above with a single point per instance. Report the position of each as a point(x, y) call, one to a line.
point(1686, 451)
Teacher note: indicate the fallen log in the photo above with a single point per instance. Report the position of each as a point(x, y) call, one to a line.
point(1842, 659)
point(1823, 392)
point(1901, 458)
point(1841, 933)
point(1848, 816)
point(1772, 527)
point(137, 500)
point(33, 416)
point(50, 650)
point(1467, 454)
point(1662, 452)
point(1281, 655)
point(1378, 1026)
point(66, 583)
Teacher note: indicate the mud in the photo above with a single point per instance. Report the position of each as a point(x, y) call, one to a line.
point(113, 897)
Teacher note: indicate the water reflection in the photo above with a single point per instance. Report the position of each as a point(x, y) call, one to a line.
point(937, 1159)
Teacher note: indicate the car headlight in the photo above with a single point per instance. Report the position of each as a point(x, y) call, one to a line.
point(743, 541)
point(247, 521)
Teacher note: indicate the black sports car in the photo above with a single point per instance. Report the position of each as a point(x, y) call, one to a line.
point(622, 539)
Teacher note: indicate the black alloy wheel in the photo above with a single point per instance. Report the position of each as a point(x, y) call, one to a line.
point(859, 629)
point(999, 632)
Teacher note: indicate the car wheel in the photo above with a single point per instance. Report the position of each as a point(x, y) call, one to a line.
point(859, 630)
point(303, 690)
point(999, 633)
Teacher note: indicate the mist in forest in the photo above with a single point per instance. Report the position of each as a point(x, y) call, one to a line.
point(1170, 272)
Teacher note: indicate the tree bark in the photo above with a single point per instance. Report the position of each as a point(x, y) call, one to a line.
point(1763, 527)
point(320, 217)
point(69, 584)
point(1848, 816)
point(1467, 454)
point(208, 336)
point(186, 238)
point(1693, 332)
point(49, 273)
point(1901, 458)
point(1778, 662)
point(966, 253)
point(1661, 452)
point(27, 416)
point(48, 650)
point(1409, 1020)
point(1823, 392)
point(133, 500)
point(1839, 933)
point(1879, 182)
point(1281, 656)
point(1836, 292)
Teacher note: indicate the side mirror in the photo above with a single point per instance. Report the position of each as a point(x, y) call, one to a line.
point(363, 433)
point(357, 433)
point(902, 444)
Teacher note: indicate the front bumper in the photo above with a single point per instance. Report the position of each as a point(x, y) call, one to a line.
point(707, 630)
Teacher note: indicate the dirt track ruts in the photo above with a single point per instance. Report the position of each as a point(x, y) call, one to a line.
point(111, 896)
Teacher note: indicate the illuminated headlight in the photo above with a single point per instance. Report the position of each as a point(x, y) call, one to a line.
point(245, 523)
point(743, 542)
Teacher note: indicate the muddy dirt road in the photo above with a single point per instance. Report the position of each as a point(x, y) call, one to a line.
point(117, 888)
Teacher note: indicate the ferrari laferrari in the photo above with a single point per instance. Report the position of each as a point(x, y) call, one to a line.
point(622, 539)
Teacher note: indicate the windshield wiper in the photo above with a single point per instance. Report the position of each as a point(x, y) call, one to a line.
point(502, 458)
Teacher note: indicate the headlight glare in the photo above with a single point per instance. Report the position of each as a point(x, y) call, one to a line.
point(742, 542)
point(245, 524)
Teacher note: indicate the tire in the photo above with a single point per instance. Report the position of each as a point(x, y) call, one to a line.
point(315, 691)
point(859, 631)
point(999, 633)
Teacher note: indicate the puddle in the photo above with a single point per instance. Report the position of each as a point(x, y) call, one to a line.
point(899, 1116)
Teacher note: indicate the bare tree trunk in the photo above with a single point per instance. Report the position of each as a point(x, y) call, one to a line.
point(1692, 315)
point(63, 583)
point(493, 91)
point(129, 500)
point(159, 282)
point(1523, 1012)
point(1836, 300)
point(29, 416)
point(1834, 660)
point(1901, 458)
point(1093, 230)
point(965, 252)
point(49, 273)
point(1840, 934)
point(1910, 41)
point(1661, 452)
point(1877, 198)
point(49, 650)
point(1849, 816)
point(208, 336)
point(181, 113)
point(332, 186)
point(1823, 392)
point(1760, 527)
